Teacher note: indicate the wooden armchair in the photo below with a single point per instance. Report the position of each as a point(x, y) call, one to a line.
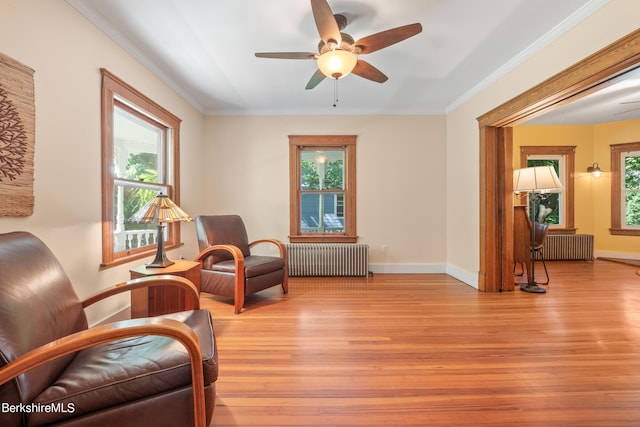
point(228, 267)
point(54, 370)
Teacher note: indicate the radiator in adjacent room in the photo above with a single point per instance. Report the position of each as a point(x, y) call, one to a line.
point(328, 259)
point(568, 247)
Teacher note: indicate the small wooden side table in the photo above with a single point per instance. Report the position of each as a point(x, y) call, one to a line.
point(158, 300)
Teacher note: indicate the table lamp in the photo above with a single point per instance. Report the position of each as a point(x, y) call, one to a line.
point(163, 210)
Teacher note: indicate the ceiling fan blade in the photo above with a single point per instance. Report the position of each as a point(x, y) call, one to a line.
point(287, 55)
point(387, 38)
point(369, 72)
point(325, 21)
point(315, 80)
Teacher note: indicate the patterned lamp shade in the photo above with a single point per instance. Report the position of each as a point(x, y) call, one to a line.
point(161, 209)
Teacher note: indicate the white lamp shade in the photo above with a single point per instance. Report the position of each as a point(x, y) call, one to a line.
point(542, 179)
point(337, 63)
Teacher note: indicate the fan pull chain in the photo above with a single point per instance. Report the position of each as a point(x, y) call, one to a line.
point(335, 92)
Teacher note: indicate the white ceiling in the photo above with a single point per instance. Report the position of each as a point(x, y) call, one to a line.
point(204, 49)
point(618, 100)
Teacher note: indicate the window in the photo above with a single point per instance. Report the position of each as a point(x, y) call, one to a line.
point(322, 175)
point(625, 189)
point(139, 159)
point(557, 209)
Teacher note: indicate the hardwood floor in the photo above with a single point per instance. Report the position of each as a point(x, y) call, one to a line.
point(427, 350)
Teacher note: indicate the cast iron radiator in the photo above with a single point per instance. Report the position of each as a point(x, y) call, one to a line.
point(328, 259)
point(568, 247)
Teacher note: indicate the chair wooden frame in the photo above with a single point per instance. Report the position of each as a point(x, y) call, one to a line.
point(124, 329)
point(238, 259)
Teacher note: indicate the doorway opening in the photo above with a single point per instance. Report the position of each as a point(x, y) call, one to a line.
point(496, 149)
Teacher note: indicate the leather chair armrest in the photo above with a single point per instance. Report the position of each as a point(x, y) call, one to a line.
point(238, 260)
point(115, 331)
point(283, 254)
point(235, 252)
point(281, 247)
point(142, 282)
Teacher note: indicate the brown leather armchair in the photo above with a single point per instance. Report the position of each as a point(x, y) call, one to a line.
point(229, 269)
point(55, 370)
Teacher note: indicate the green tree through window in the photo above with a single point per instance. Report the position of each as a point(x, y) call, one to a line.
point(547, 211)
point(632, 189)
point(140, 167)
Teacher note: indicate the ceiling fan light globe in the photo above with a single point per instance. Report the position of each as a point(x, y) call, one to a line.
point(337, 64)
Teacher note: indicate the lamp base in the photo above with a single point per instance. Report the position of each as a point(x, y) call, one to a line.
point(161, 264)
point(161, 260)
point(532, 288)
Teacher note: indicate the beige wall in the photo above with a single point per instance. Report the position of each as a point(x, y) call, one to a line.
point(613, 21)
point(66, 51)
point(400, 180)
point(417, 176)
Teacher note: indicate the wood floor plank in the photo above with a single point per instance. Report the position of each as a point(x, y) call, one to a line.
point(422, 350)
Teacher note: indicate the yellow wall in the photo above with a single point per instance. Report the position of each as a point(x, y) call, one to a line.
point(605, 135)
point(592, 195)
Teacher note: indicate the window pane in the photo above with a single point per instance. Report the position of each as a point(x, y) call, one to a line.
point(137, 148)
point(632, 172)
point(632, 209)
point(631, 165)
point(322, 170)
point(322, 212)
point(549, 207)
point(128, 199)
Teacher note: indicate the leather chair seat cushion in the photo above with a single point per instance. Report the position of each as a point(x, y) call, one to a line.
point(254, 265)
point(129, 369)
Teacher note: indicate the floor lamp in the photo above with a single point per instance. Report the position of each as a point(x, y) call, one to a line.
point(161, 209)
point(538, 181)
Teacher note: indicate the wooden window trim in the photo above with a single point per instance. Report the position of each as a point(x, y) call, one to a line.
point(296, 144)
point(115, 88)
point(569, 153)
point(616, 189)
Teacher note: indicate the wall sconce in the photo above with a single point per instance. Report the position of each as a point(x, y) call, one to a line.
point(595, 170)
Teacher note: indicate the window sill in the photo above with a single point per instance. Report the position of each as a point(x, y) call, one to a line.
point(624, 231)
point(562, 230)
point(323, 238)
point(135, 256)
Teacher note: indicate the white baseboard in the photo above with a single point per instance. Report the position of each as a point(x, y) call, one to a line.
point(622, 255)
point(463, 276)
point(407, 268)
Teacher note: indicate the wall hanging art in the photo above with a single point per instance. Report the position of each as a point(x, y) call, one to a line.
point(17, 138)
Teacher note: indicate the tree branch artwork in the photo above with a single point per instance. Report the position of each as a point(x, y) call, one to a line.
point(13, 140)
point(17, 138)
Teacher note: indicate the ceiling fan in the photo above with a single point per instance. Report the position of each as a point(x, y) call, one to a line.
point(338, 53)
